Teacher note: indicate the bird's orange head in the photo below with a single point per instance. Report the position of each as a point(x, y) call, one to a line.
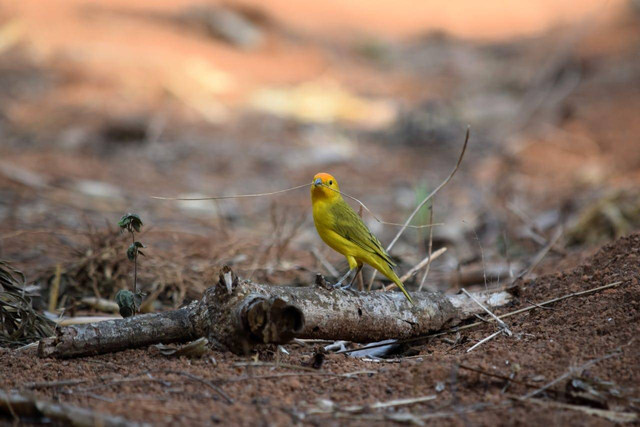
point(324, 186)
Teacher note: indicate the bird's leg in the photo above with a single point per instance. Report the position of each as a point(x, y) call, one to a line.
point(353, 279)
point(338, 284)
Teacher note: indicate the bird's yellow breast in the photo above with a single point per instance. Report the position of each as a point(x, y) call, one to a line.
point(324, 222)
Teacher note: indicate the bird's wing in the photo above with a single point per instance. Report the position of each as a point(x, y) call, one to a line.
point(349, 225)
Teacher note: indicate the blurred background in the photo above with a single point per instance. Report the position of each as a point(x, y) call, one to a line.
point(104, 104)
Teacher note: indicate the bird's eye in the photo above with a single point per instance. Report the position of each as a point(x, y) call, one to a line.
point(330, 182)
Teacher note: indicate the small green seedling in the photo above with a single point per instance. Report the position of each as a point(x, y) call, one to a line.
point(129, 302)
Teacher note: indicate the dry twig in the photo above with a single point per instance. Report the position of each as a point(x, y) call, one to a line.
point(571, 371)
point(426, 270)
point(539, 256)
point(298, 374)
point(423, 202)
point(20, 324)
point(425, 262)
point(484, 340)
point(32, 407)
point(613, 416)
point(496, 318)
point(205, 382)
point(473, 325)
point(331, 407)
point(326, 264)
point(500, 376)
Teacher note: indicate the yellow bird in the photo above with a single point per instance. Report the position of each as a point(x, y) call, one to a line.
point(343, 230)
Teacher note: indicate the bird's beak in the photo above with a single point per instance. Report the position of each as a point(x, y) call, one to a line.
point(317, 182)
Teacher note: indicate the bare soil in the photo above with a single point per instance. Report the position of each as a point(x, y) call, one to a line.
point(104, 104)
point(547, 343)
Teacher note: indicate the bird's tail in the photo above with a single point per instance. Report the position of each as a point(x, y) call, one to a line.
point(395, 279)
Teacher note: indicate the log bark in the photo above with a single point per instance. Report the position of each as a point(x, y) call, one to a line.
point(41, 410)
point(120, 334)
point(240, 316)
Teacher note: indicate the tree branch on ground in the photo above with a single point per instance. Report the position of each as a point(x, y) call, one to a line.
point(240, 316)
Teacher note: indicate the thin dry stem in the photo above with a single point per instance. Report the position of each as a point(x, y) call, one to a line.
point(205, 382)
point(55, 288)
point(540, 256)
point(236, 196)
point(362, 205)
point(425, 262)
point(473, 325)
point(496, 318)
point(614, 416)
point(572, 370)
point(326, 264)
point(484, 340)
point(376, 405)
point(423, 202)
point(502, 377)
point(426, 270)
point(484, 269)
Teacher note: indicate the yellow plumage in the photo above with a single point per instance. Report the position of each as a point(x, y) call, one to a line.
point(343, 230)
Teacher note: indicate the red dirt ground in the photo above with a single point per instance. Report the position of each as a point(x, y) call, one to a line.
point(546, 344)
point(83, 68)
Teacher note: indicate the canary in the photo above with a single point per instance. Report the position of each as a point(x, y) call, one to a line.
point(342, 229)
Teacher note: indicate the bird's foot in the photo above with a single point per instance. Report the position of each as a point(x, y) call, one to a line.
point(340, 283)
point(342, 286)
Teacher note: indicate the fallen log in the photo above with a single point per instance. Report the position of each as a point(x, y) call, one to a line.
point(239, 316)
point(37, 410)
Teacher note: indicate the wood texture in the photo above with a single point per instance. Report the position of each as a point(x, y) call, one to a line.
point(239, 316)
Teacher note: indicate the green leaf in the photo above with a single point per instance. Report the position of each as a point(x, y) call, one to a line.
point(137, 298)
point(132, 251)
point(126, 302)
point(130, 222)
point(124, 222)
point(136, 222)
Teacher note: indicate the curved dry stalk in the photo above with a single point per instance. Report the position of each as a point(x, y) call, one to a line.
point(455, 299)
point(423, 202)
point(426, 270)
